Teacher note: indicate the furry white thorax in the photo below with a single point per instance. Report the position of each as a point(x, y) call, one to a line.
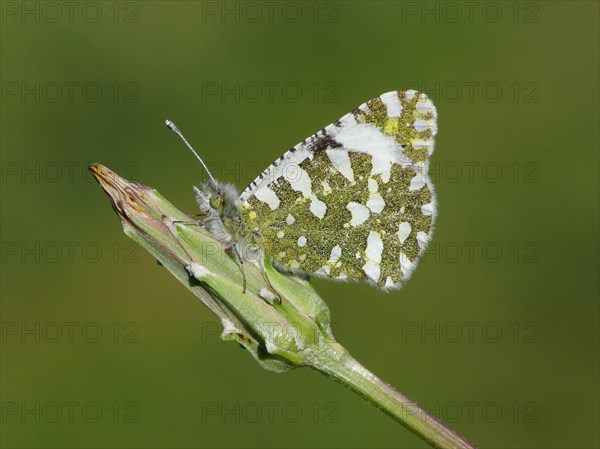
point(220, 204)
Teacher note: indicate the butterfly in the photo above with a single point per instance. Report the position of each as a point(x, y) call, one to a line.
point(352, 202)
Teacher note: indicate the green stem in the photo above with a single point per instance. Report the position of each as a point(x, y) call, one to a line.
point(336, 363)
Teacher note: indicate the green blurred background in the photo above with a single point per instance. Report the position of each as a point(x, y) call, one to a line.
point(496, 333)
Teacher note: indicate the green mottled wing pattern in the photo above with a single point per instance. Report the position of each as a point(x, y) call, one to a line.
point(354, 201)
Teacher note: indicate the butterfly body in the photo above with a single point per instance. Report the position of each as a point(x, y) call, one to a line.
point(352, 202)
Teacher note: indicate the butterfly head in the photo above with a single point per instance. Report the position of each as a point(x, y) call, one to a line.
point(219, 202)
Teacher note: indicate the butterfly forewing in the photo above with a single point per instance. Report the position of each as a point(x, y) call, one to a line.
point(354, 201)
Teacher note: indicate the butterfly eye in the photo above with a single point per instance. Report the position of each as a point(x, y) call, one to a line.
point(216, 201)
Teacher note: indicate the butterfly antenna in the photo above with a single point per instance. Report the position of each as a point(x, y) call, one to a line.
point(173, 128)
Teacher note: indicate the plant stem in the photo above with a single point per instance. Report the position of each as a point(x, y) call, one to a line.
point(336, 363)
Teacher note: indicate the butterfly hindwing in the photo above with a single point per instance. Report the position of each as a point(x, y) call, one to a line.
point(354, 201)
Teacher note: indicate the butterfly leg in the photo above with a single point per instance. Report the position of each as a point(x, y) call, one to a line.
point(188, 223)
point(263, 271)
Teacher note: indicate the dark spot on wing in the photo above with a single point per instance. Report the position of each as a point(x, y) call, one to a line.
point(324, 143)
